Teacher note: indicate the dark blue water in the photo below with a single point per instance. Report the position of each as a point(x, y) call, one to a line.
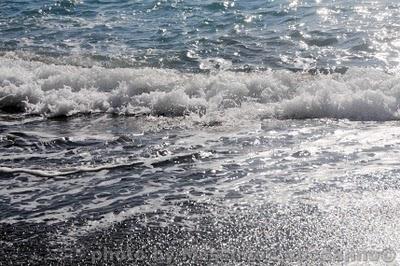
point(189, 34)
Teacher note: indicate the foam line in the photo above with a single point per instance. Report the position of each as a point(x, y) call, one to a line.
point(65, 90)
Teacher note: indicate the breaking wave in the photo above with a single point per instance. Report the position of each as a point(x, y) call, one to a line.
point(63, 90)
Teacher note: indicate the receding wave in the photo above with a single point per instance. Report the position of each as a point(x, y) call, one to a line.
point(37, 88)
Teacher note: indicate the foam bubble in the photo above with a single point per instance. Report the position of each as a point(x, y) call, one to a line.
point(63, 90)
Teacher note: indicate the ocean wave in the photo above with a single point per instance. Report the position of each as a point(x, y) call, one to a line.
point(63, 90)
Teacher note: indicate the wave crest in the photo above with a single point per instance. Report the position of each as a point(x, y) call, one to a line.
point(53, 90)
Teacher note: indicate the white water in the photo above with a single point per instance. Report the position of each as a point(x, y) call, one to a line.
point(59, 90)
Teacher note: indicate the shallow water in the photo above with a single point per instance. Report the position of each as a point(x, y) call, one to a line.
point(209, 132)
point(271, 190)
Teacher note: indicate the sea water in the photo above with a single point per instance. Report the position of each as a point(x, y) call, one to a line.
point(225, 132)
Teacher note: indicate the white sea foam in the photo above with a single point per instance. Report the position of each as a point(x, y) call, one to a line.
point(56, 90)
